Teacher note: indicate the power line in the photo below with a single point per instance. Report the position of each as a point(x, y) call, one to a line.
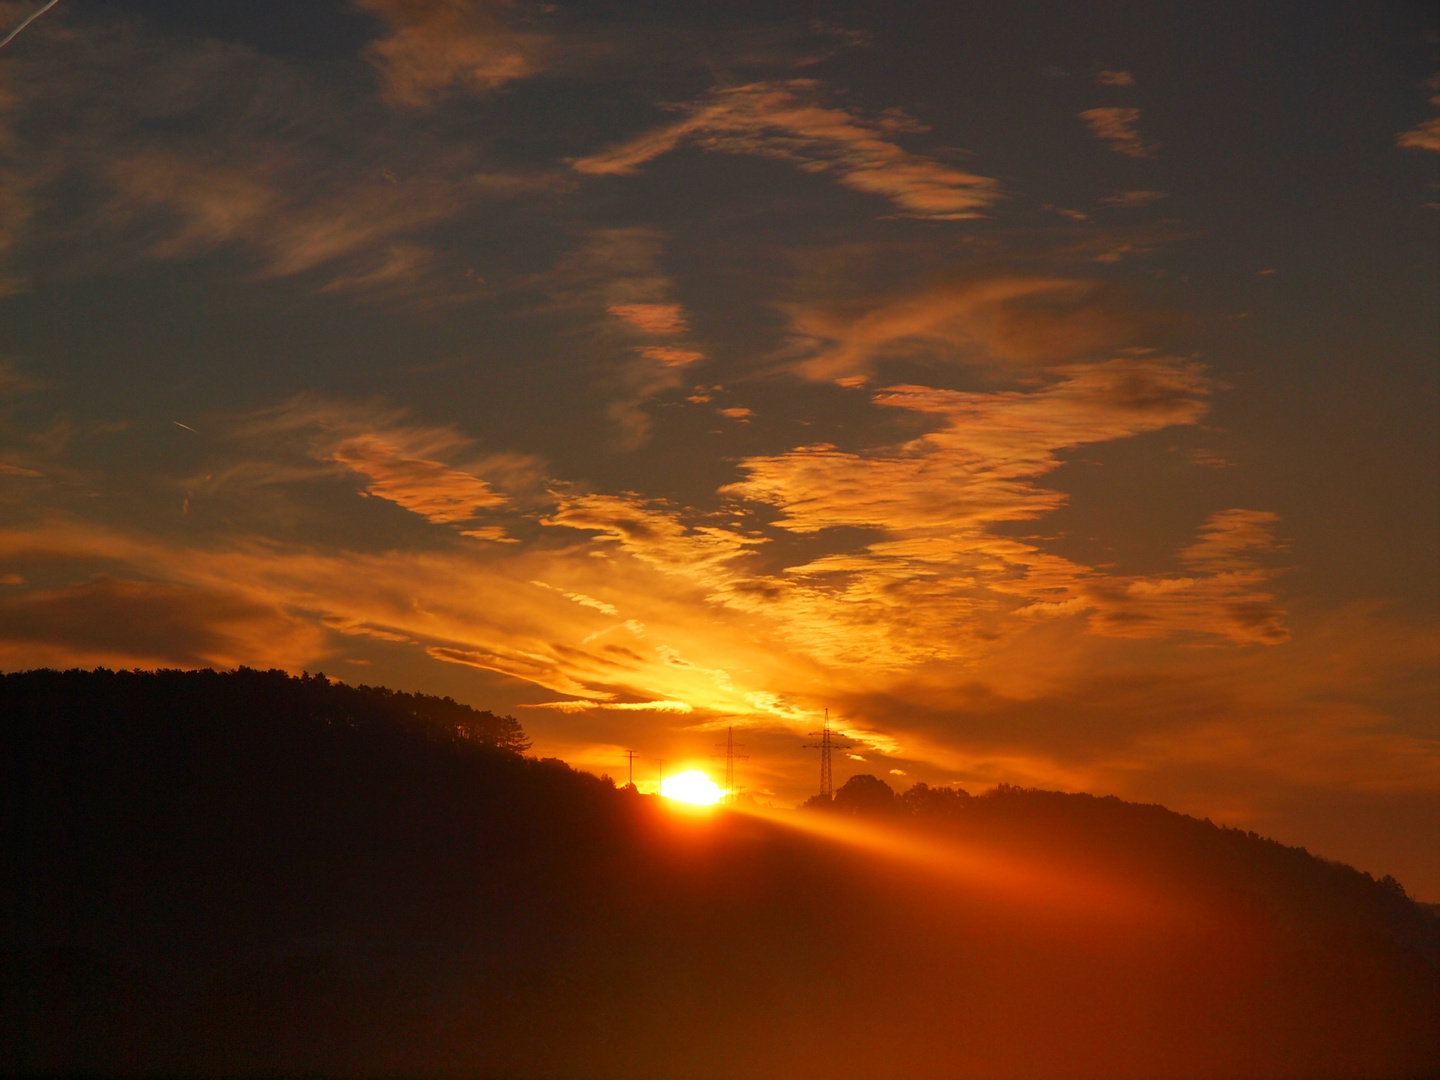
point(630, 760)
point(730, 758)
point(825, 745)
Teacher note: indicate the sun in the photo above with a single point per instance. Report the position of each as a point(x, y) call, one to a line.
point(691, 787)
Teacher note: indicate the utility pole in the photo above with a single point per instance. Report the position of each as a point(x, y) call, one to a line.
point(730, 759)
point(825, 745)
point(630, 760)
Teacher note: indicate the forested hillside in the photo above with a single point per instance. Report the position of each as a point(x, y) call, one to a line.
point(247, 872)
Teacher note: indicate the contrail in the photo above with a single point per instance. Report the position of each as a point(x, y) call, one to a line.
point(35, 15)
point(187, 427)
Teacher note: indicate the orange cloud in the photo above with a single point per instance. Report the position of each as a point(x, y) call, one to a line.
point(940, 583)
point(651, 318)
point(435, 46)
point(678, 707)
point(974, 469)
point(670, 356)
point(1115, 78)
point(1425, 136)
point(423, 487)
point(1116, 127)
point(404, 463)
point(931, 583)
point(619, 271)
point(493, 533)
point(654, 534)
point(1229, 538)
point(783, 120)
point(1025, 320)
point(582, 599)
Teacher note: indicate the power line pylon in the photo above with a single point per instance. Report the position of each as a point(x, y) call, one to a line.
point(630, 760)
point(730, 758)
point(825, 745)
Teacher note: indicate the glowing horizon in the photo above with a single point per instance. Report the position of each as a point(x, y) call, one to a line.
point(1043, 430)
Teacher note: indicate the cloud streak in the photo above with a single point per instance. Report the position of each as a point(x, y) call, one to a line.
point(431, 471)
point(355, 232)
point(1424, 136)
point(428, 488)
point(618, 271)
point(13, 34)
point(190, 148)
point(785, 121)
point(1115, 78)
point(1115, 126)
point(1004, 319)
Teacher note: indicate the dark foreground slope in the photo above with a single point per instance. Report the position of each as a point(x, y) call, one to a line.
point(242, 873)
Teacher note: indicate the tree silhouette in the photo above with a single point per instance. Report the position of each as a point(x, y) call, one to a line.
point(866, 794)
point(207, 873)
point(922, 800)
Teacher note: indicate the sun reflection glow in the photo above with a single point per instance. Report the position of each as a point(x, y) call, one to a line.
point(691, 787)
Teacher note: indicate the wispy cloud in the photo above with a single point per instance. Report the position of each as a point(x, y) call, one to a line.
point(183, 148)
point(428, 488)
point(1209, 459)
point(670, 356)
point(661, 319)
point(989, 441)
point(433, 471)
point(1230, 539)
point(581, 599)
point(940, 581)
point(786, 120)
point(616, 278)
point(655, 533)
point(434, 47)
point(677, 707)
point(1134, 198)
point(1425, 136)
point(1115, 78)
point(538, 668)
point(1006, 319)
point(1115, 126)
point(355, 231)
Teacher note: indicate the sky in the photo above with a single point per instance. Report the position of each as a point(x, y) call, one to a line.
point(1046, 390)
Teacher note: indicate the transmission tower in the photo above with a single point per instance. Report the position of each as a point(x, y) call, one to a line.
point(825, 745)
point(730, 758)
point(630, 760)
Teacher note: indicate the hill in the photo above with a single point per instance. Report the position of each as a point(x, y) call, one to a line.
point(237, 873)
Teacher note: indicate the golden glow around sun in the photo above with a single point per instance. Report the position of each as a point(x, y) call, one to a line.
point(691, 787)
